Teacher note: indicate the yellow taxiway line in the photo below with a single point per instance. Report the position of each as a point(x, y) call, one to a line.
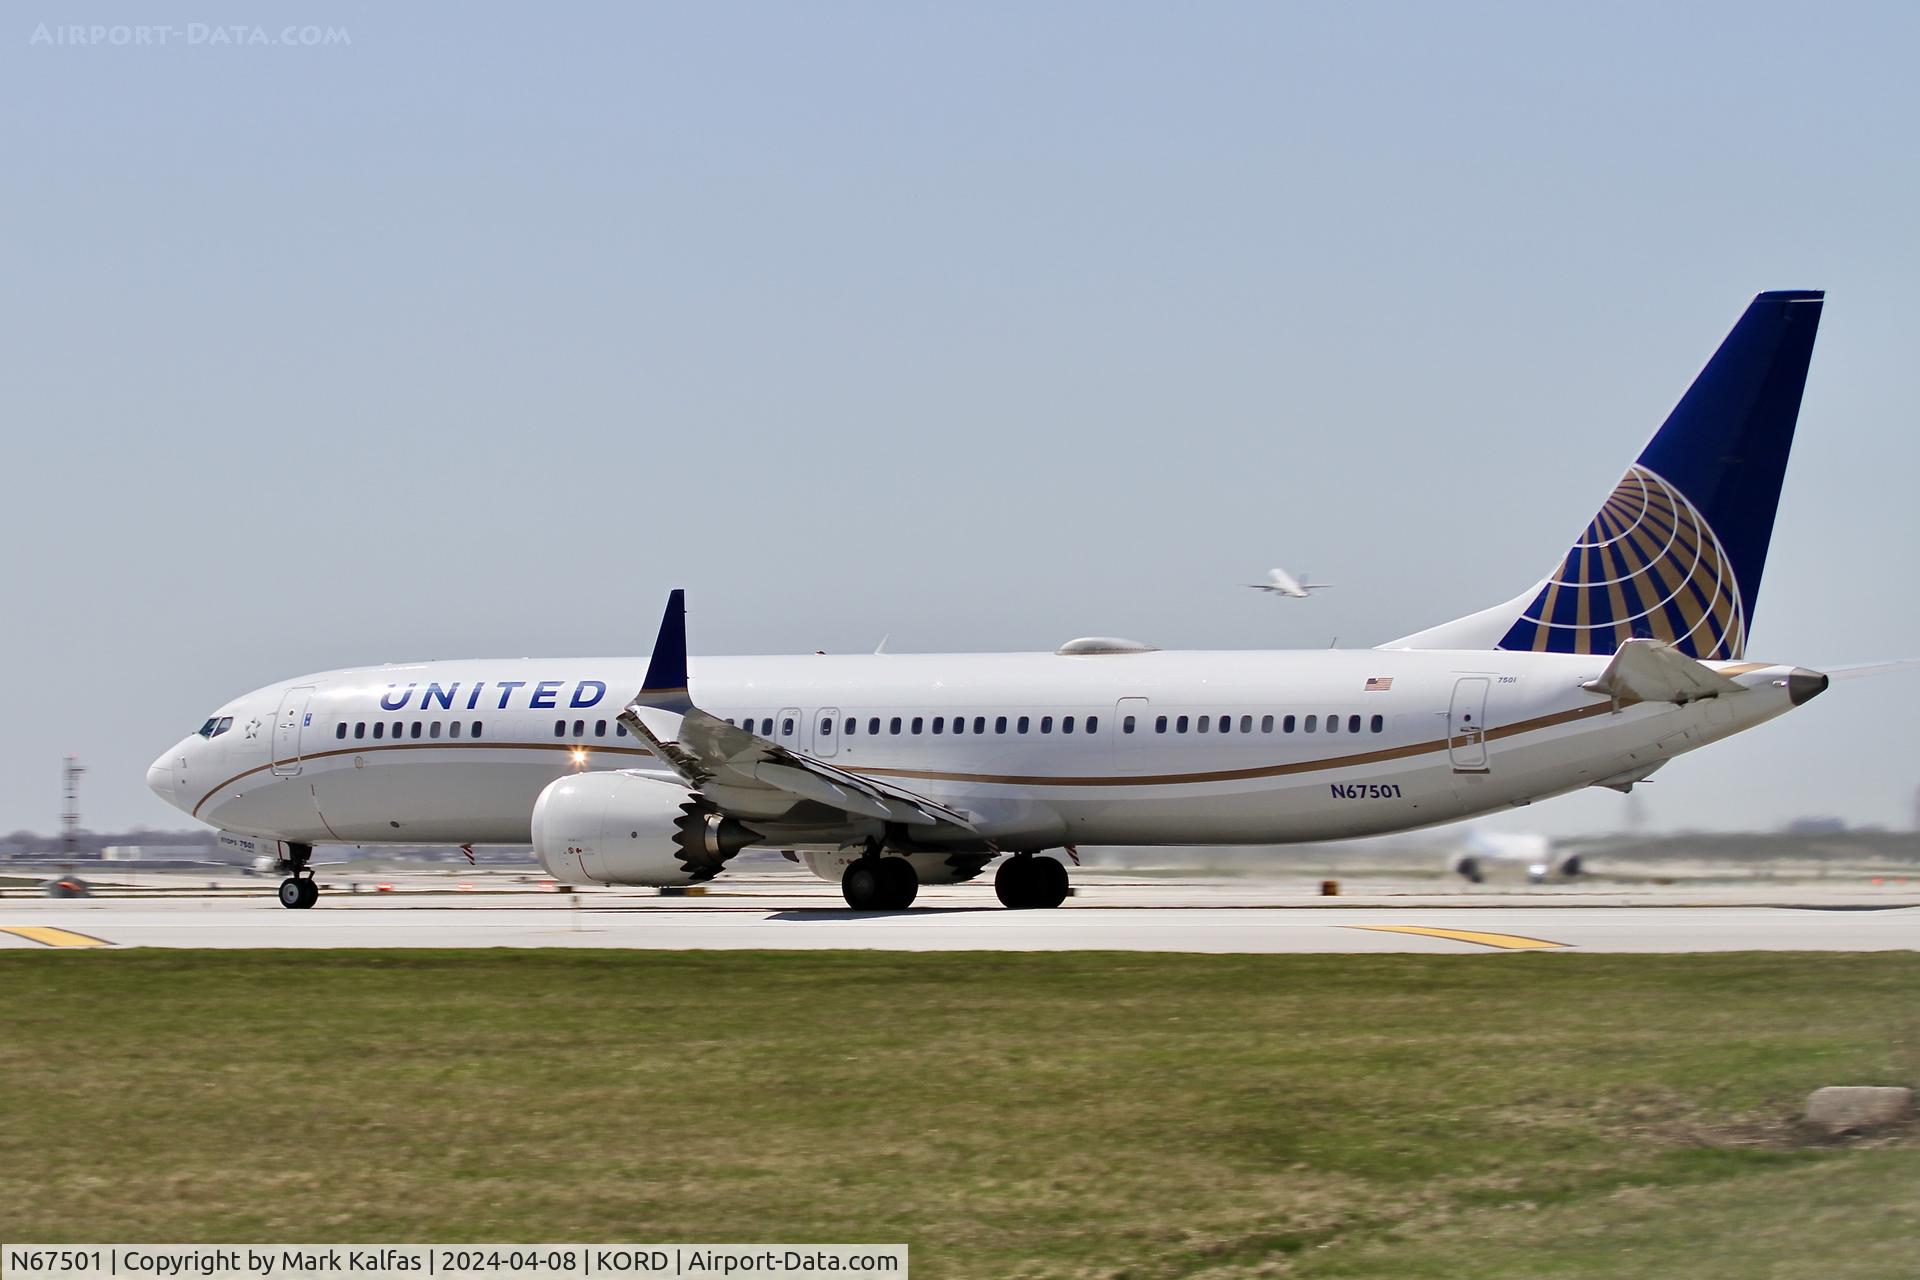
point(1503, 941)
point(48, 937)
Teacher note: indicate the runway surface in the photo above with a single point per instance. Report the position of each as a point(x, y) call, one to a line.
point(1210, 916)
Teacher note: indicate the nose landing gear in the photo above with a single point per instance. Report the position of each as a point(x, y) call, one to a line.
point(298, 891)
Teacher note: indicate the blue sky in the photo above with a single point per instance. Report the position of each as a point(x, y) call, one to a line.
point(984, 326)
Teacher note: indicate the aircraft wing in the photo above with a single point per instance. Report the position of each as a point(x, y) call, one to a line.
point(1654, 671)
point(740, 771)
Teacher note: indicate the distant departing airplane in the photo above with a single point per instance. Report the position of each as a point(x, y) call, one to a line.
point(1282, 583)
point(888, 772)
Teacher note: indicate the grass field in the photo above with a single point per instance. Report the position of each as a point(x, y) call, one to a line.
point(1080, 1114)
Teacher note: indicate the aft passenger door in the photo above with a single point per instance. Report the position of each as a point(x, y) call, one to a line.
point(286, 730)
point(1467, 724)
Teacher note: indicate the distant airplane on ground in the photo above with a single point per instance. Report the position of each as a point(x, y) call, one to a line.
point(1487, 853)
point(1282, 583)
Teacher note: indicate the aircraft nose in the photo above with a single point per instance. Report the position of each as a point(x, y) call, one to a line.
point(160, 777)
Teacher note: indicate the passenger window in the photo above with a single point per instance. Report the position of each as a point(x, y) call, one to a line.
point(1379, 724)
point(893, 726)
point(559, 728)
point(873, 725)
point(1126, 726)
point(1353, 724)
point(379, 728)
point(826, 728)
point(1160, 724)
point(1046, 724)
point(939, 724)
point(786, 726)
point(1286, 725)
point(453, 730)
point(1313, 722)
point(959, 724)
point(1246, 724)
point(619, 729)
point(1180, 725)
point(476, 728)
point(1201, 727)
point(1021, 726)
point(979, 724)
point(850, 726)
point(999, 724)
point(1093, 723)
point(766, 726)
point(579, 728)
point(416, 728)
point(340, 730)
point(1266, 724)
point(360, 729)
point(1066, 724)
point(433, 730)
point(599, 728)
point(919, 726)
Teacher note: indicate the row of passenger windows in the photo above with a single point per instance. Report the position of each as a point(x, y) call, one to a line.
point(580, 729)
point(955, 726)
point(1287, 724)
point(896, 725)
point(406, 729)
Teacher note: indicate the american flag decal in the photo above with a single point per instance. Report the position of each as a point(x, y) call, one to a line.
point(1379, 684)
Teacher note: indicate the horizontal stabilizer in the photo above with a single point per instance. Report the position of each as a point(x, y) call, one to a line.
point(1654, 671)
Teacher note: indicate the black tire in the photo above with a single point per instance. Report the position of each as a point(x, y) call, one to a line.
point(899, 884)
point(293, 895)
point(1050, 883)
point(1013, 882)
point(862, 886)
point(309, 892)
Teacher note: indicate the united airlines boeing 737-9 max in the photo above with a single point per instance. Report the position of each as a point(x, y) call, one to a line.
point(885, 772)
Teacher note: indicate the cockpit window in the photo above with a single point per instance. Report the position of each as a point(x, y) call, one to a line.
point(226, 723)
point(215, 726)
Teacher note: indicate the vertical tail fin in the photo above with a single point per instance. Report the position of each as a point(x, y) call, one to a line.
point(1677, 550)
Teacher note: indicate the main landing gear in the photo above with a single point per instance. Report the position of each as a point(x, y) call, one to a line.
point(874, 883)
point(1024, 882)
point(298, 891)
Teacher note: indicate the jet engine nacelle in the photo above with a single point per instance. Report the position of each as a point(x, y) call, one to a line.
point(631, 828)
